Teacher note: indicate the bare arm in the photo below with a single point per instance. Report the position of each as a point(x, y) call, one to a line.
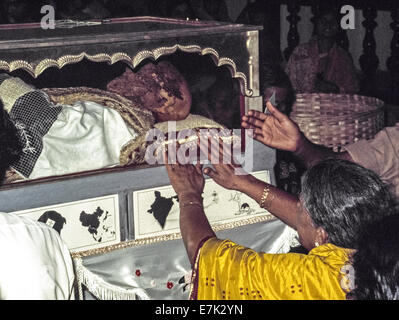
point(309, 153)
point(188, 182)
point(194, 225)
point(280, 203)
point(278, 131)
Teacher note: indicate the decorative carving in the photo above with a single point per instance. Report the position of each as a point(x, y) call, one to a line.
point(293, 18)
point(133, 62)
point(369, 60)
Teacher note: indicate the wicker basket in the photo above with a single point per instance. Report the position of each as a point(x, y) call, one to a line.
point(335, 120)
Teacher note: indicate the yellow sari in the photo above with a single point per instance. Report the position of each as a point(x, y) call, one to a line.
point(225, 270)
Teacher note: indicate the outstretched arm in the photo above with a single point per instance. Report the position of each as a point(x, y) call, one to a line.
point(280, 203)
point(278, 131)
point(188, 182)
point(309, 153)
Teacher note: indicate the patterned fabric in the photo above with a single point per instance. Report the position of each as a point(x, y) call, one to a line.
point(3, 76)
point(33, 115)
point(225, 270)
point(11, 89)
point(122, 116)
point(138, 118)
point(336, 66)
point(85, 136)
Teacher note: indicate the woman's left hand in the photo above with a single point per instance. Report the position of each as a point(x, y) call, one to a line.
point(186, 179)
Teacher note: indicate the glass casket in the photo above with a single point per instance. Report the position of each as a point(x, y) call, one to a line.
point(132, 256)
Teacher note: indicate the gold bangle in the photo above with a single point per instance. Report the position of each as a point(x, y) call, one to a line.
point(263, 199)
point(191, 203)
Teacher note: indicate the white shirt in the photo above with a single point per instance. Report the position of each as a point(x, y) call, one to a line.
point(35, 263)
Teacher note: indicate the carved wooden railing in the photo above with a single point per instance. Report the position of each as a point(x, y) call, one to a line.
point(369, 60)
point(293, 18)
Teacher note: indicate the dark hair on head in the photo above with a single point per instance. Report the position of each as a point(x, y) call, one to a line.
point(376, 262)
point(322, 10)
point(10, 146)
point(342, 197)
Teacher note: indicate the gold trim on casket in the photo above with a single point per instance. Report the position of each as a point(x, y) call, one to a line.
point(36, 70)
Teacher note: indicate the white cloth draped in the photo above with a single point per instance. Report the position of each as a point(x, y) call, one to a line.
point(85, 136)
point(35, 262)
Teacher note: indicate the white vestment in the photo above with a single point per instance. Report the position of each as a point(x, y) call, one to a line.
point(85, 136)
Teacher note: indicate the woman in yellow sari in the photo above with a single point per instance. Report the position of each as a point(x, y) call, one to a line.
point(338, 198)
